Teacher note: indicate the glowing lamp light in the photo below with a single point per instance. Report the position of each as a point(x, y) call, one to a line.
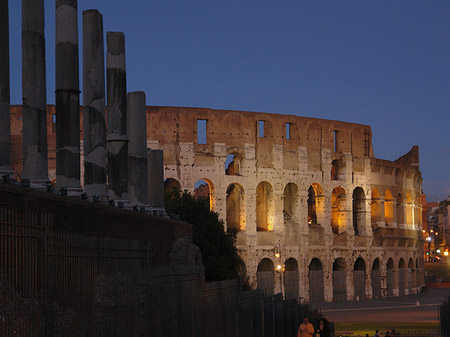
point(446, 253)
point(277, 254)
point(431, 230)
point(438, 251)
point(279, 267)
point(423, 230)
point(428, 239)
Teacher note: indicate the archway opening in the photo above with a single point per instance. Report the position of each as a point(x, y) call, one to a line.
point(401, 277)
point(338, 219)
point(359, 278)
point(235, 208)
point(204, 189)
point(375, 208)
point(315, 203)
point(336, 166)
point(358, 208)
point(265, 276)
point(291, 279)
point(388, 208)
point(400, 211)
point(411, 276)
point(390, 277)
point(315, 276)
point(376, 279)
point(290, 201)
point(172, 187)
point(339, 280)
point(232, 165)
point(264, 207)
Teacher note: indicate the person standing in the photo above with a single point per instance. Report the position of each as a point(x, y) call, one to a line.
point(322, 328)
point(305, 329)
point(376, 334)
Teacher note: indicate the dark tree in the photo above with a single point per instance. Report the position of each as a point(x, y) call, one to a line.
point(220, 257)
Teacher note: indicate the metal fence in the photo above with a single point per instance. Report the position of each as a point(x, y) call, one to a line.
point(61, 284)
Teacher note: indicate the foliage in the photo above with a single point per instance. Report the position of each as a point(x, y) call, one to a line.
point(220, 257)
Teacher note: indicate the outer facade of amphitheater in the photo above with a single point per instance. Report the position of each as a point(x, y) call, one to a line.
point(317, 216)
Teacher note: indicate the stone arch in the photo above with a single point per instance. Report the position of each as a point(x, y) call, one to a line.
point(290, 199)
point(388, 208)
point(359, 278)
point(390, 280)
point(235, 206)
point(264, 206)
point(376, 278)
point(336, 166)
point(358, 209)
point(315, 277)
point(401, 277)
point(291, 279)
point(316, 205)
point(409, 211)
point(400, 211)
point(204, 189)
point(376, 208)
point(172, 186)
point(265, 276)
point(233, 164)
point(411, 276)
point(339, 280)
point(338, 211)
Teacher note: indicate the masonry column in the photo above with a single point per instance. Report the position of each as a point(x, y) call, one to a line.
point(117, 140)
point(155, 162)
point(5, 124)
point(67, 96)
point(34, 92)
point(137, 148)
point(94, 114)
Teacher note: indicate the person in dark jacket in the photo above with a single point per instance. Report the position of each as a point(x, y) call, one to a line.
point(323, 328)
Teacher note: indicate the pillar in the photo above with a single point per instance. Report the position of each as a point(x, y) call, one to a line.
point(94, 115)
point(5, 124)
point(137, 148)
point(155, 162)
point(67, 96)
point(117, 140)
point(34, 92)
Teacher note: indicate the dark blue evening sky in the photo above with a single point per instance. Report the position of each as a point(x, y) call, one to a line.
point(381, 63)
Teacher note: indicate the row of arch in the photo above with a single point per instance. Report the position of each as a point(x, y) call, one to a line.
point(382, 211)
point(399, 281)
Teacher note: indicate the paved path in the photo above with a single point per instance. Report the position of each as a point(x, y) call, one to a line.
point(423, 307)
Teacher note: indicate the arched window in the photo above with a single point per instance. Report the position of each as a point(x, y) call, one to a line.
point(315, 276)
point(336, 166)
point(338, 212)
point(401, 277)
point(390, 277)
point(291, 279)
point(290, 200)
point(264, 207)
point(265, 276)
point(376, 279)
point(171, 187)
point(204, 189)
point(375, 208)
point(388, 208)
point(339, 280)
point(358, 211)
point(232, 164)
point(400, 211)
point(235, 208)
point(359, 278)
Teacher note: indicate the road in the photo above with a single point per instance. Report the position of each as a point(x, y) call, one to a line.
point(423, 307)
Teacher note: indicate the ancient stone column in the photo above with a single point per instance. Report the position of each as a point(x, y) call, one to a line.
point(5, 124)
point(67, 96)
point(155, 178)
point(137, 148)
point(117, 141)
point(94, 115)
point(34, 92)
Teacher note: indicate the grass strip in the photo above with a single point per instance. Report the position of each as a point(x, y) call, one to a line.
point(363, 328)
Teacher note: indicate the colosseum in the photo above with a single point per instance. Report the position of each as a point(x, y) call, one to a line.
point(316, 215)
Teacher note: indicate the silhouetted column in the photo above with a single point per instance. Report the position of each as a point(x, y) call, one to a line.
point(34, 92)
point(94, 122)
point(155, 177)
point(67, 96)
point(117, 141)
point(137, 148)
point(5, 124)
